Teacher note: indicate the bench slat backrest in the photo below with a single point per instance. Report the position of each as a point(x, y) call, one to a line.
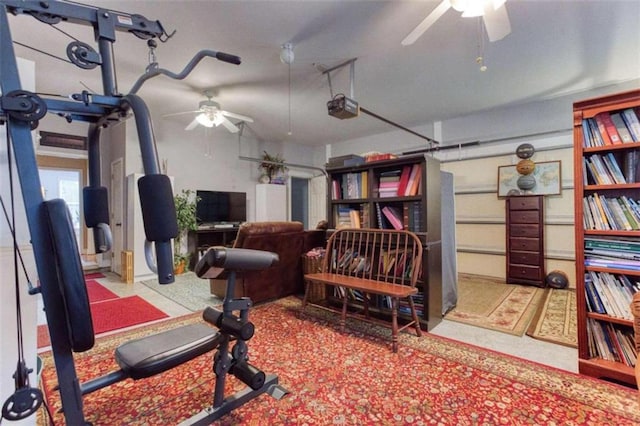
point(393, 256)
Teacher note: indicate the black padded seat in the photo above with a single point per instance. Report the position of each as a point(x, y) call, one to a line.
point(154, 354)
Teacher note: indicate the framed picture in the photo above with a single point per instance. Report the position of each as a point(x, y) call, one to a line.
point(547, 175)
point(59, 140)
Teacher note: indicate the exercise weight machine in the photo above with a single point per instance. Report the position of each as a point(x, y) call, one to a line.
point(58, 264)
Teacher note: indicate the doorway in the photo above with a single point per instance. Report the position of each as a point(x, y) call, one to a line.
point(64, 178)
point(300, 200)
point(308, 199)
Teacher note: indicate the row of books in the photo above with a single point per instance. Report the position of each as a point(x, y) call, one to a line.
point(350, 186)
point(348, 217)
point(379, 301)
point(403, 182)
point(407, 216)
point(611, 342)
point(609, 294)
point(605, 169)
point(617, 213)
point(613, 128)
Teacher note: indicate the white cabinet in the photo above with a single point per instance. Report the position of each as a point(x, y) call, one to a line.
point(271, 202)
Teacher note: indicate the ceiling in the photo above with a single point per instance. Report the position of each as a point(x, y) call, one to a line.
point(555, 48)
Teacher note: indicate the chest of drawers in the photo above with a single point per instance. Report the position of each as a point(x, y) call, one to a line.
point(525, 240)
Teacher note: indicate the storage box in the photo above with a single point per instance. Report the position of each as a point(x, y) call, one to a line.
point(126, 267)
point(312, 265)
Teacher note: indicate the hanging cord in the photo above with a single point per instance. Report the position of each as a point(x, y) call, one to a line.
point(289, 132)
point(32, 289)
point(21, 375)
point(15, 258)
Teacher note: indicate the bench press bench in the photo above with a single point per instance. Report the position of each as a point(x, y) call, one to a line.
point(371, 269)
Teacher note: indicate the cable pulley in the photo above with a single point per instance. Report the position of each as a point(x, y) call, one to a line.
point(22, 105)
point(47, 18)
point(83, 55)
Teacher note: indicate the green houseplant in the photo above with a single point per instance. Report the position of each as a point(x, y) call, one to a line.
point(185, 203)
point(272, 165)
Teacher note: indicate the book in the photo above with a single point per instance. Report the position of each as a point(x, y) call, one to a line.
point(593, 297)
point(393, 216)
point(415, 187)
point(633, 123)
point(608, 244)
point(381, 221)
point(612, 166)
point(609, 127)
point(595, 132)
point(630, 165)
point(404, 179)
point(621, 127)
point(602, 129)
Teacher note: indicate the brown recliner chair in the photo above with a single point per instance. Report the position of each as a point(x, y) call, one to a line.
point(289, 240)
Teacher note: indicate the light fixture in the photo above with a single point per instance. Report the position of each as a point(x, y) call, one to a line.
point(205, 120)
point(286, 54)
point(475, 8)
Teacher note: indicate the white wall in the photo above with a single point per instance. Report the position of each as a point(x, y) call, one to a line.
point(8, 330)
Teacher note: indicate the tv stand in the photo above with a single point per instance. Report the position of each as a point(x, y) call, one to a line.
point(200, 240)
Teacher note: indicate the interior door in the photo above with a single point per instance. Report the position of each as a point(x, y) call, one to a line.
point(317, 200)
point(117, 207)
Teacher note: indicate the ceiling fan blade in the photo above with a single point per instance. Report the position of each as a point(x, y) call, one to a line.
point(181, 113)
point(229, 125)
point(496, 21)
point(426, 23)
point(192, 125)
point(237, 116)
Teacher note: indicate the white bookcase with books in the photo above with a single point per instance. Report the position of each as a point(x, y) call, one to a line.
point(607, 232)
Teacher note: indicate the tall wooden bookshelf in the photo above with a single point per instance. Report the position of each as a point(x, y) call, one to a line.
point(357, 197)
point(604, 331)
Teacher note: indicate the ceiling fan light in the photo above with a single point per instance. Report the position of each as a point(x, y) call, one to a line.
point(498, 3)
point(203, 119)
point(459, 5)
point(474, 8)
point(217, 119)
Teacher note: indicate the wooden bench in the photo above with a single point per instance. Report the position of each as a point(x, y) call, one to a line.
point(371, 269)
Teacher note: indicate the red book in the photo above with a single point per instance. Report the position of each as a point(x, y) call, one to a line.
point(394, 219)
point(609, 126)
point(414, 181)
point(602, 128)
point(404, 179)
point(412, 178)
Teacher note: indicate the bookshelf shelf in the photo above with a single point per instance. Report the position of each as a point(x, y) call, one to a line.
point(608, 318)
point(416, 210)
point(607, 232)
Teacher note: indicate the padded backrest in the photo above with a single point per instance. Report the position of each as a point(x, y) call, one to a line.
point(70, 276)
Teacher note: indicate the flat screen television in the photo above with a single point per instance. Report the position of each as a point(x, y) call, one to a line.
point(221, 207)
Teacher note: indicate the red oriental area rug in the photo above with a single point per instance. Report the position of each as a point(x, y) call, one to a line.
point(98, 293)
point(110, 312)
point(351, 378)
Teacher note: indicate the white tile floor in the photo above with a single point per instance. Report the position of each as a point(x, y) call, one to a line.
point(550, 354)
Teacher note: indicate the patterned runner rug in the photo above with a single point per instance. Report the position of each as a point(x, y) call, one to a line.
point(556, 319)
point(351, 378)
point(491, 303)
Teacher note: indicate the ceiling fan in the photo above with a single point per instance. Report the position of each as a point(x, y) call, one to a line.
point(210, 115)
point(493, 13)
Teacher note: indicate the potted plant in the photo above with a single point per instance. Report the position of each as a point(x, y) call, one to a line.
point(185, 203)
point(272, 166)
